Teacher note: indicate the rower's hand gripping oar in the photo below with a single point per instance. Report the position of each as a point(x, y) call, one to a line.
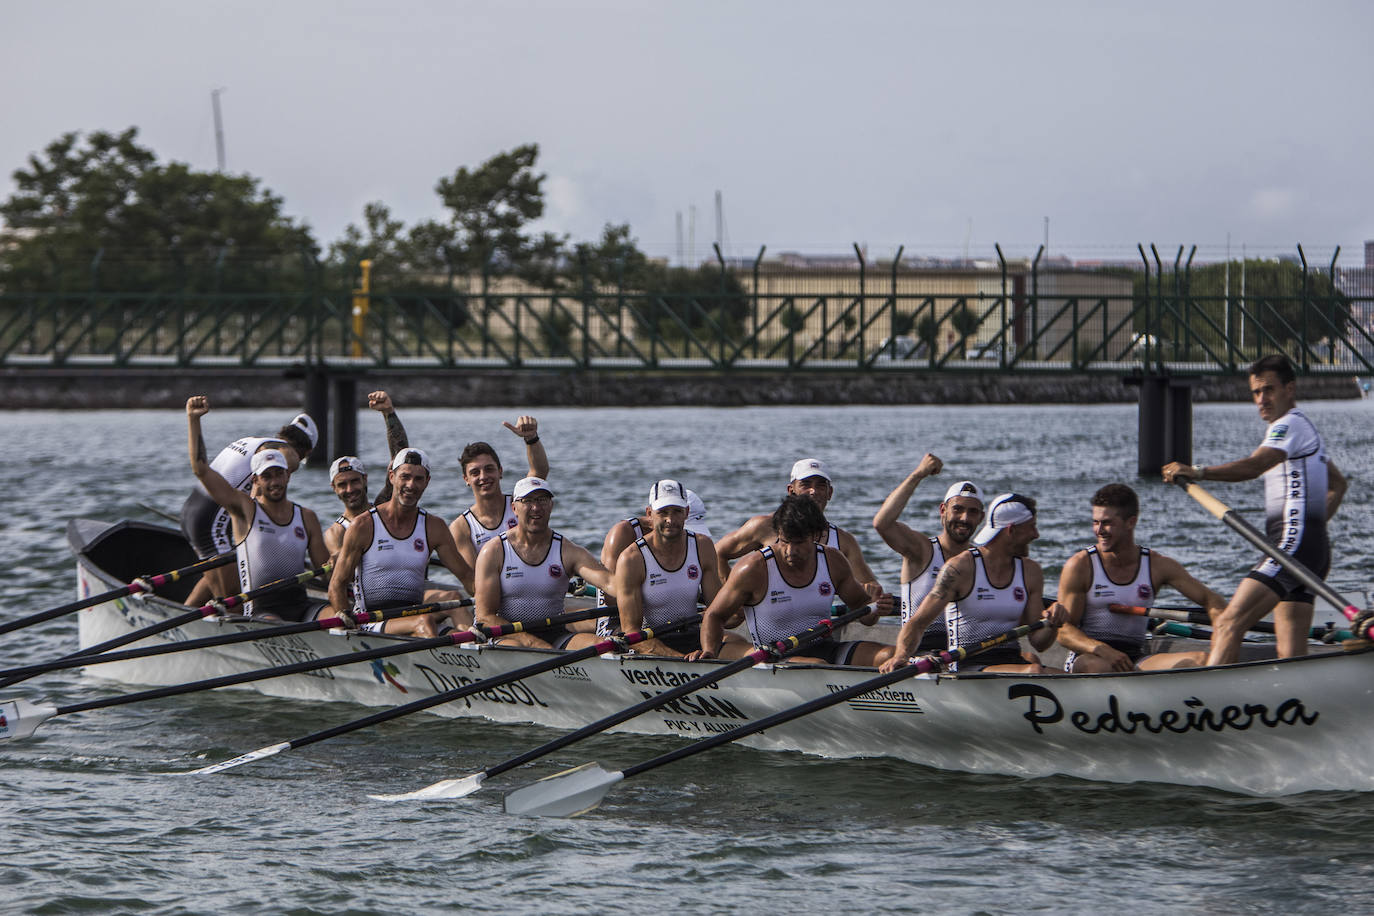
point(214, 608)
point(462, 786)
point(582, 788)
point(26, 717)
point(457, 693)
point(1362, 622)
point(141, 585)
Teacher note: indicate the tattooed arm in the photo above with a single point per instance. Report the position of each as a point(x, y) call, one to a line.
point(396, 439)
point(954, 583)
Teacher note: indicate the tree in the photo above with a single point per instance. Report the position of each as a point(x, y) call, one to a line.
point(966, 323)
point(101, 210)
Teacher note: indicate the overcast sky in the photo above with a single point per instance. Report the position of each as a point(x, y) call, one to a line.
point(932, 125)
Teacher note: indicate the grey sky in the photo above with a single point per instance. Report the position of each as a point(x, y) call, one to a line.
point(823, 124)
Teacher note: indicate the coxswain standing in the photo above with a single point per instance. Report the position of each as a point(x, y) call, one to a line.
point(665, 572)
point(789, 586)
point(1302, 491)
point(924, 556)
point(274, 536)
point(385, 553)
point(491, 512)
point(523, 573)
point(1116, 570)
point(975, 607)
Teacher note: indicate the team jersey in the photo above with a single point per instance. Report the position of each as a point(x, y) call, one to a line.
point(1295, 488)
point(669, 595)
point(392, 570)
point(480, 533)
point(786, 609)
point(532, 591)
point(915, 591)
point(1099, 621)
point(269, 552)
point(986, 611)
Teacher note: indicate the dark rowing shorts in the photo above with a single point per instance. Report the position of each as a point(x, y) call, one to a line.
point(206, 525)
point(1313, 552)
point(998, 655)
point(1135, 651)
point(933, 640)
point(830, 651)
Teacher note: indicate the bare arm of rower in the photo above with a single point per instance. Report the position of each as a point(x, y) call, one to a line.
point(854, 593)
point(580, 562)
point(752, 535)
point(447, 551)
point(461, 532)
point(527, 428)
point(1336, 485)
point(1054, 615)
point(953, 583)
point(1074, 581)
point(911, 545)
point(745, 586)
point(396, 438)
point(849, 546)
point(629, 579)
point(1170, 572)
point(355, 541)
point(239, 503)
point(314, 540)
point(1248, 468)
point(710, 571)
point(487, 594)
point(333, 538)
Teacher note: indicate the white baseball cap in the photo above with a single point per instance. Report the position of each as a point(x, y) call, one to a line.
point(306, 425)
point(268, 458)
point(1006, 510)
point(809, 467)
point(696, 514)
point(667, 493)
point(528, 485)
point(410, 456)
point(963, 488)
point(346, 463)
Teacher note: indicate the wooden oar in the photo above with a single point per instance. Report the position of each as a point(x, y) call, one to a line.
point(582, 788)
point(466, 785)
point(519, 674)
point(24, 716)
point(224, 639)
point(1326, 634)
point(216, 607)
point(1362, 621)
point(136, 587)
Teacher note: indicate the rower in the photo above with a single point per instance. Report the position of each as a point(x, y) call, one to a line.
point(810, 478)
point(975, 607)
point(206, 523)
point(274, 536)
point(1302, 491)
point(924, 556)
point(348, 474)
point(789, 586)
point(523, 573)
point(661, 576)
point(385, 554)
point(1115, 570)
point(491, 512)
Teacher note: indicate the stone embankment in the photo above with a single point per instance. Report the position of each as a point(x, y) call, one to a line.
point(53, 389)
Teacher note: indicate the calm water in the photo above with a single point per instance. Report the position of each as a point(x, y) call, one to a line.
point(86, 825)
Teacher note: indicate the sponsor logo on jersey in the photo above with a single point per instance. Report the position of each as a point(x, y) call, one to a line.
point(419, 544)
point(555, 571)
point(300, 533)
point(693, 572)
point(824, 589)
point(1019, 593)
point(1144, 592)
point(1278, 432)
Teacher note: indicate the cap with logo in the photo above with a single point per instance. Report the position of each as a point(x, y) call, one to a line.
point(667, 493)
point(306, 425)
point(346, 463)
point(410, 456)
point(810, 467)
point(963, 488)
point(1006, 510)
point(527, 486)
point(268, 458)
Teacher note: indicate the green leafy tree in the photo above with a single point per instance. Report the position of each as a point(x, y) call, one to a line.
point(965, 323)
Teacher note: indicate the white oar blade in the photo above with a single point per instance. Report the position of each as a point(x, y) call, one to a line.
point(19, 718)
point(446, 788)
point(237, 761)
point(566, 794)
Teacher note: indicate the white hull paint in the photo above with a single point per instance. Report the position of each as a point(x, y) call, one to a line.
point(1261, 728)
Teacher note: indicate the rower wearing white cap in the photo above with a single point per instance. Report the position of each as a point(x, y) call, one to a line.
point(787, 587)
point(988, 589)
point(923, 556)
point(491, 512)
point(626, 531)
point(274, 536)
point(810, 478)
point(662, 575)
point(523, 573)
point(385, 552)
point(206, 523)
point(348, 474)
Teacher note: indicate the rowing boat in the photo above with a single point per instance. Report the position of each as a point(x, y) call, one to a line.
point(1261, 727)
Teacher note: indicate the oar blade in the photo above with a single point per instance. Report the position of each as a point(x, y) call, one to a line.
point(20, 718)
point(240, 760)
point(566, 794)
point(444, 788)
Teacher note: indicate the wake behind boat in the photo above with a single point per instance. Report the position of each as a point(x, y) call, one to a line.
point(1263, 727)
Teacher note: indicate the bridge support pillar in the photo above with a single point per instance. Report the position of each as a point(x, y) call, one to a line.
point(1165, 422)
point(317, 405)
point(345, 416)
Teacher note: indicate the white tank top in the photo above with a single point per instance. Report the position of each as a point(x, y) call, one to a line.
point(269, 552)
point(786, 609)
point(392, 570)
point(915, 591)
point(532, 591)
point(832, 537)
point(987, 611)
point(669, 595)
point(235, 461)
point(480, 533)
point(1101, 623)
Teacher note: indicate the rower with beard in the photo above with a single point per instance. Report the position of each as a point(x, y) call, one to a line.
point(273, 536)
point(348, 474)
point(988, 589)
point(811, 479)
point(789, 586)
point(385, 553)
point(1115, 570)
point(662, 575)
point(492, 512)
point(924, 556)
